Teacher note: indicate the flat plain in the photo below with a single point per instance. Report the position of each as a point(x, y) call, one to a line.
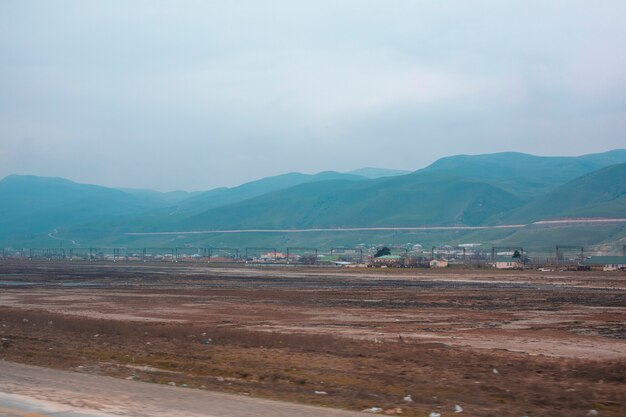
point(407, 341)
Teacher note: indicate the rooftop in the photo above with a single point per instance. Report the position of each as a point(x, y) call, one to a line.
point(507, 259)
point(605, 260)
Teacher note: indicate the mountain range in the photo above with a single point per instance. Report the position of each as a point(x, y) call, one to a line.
point(462, 190)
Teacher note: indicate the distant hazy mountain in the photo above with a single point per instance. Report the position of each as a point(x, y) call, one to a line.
point(600, 193)
point(415, 199)
point(223, 196)
point(162, 198)
point(523, 174)
point(373, 173)
point(32, 205)
point(173, 216)
point(459, 190)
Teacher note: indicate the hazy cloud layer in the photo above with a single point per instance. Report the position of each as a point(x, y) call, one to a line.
point(197, 94)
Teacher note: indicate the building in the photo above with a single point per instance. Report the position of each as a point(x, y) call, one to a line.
point(607, 263)
point(272, 256)
point(388, 260)
point(508, 263)
point(438, 263)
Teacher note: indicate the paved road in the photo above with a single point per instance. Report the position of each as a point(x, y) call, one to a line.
point(12, 405)
point(562, 222)
point(30, 391)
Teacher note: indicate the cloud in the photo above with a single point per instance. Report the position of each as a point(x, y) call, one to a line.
point(202, 94)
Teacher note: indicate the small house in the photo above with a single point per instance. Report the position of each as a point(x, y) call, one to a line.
point(508, 263)
point(438, 263)
point(388, 260)
point(606, 263)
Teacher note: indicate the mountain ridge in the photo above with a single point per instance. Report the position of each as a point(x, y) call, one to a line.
point(471, 190)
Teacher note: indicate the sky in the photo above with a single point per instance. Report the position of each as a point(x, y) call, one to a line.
point(193, 95)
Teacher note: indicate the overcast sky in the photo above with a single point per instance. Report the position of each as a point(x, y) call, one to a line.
point(198, 94)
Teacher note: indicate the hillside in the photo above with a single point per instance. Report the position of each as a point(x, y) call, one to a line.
point(601, 193)
point(161, 198)
point(526, 175)
point(224, 196)
point(171, 216)
point(415, 199)
point(30, 206)
point(372, 173)
point(461, 190)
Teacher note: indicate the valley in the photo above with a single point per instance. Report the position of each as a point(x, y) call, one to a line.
point(456, 200)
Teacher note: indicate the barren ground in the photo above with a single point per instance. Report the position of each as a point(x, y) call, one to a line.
point(495, 343)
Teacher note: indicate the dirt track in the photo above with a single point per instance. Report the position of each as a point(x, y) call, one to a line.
point(62, 393)
point(366, 338)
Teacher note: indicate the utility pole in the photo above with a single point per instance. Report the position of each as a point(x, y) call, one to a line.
point(559, 251)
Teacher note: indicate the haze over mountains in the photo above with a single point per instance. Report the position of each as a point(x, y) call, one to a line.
point(459, 190)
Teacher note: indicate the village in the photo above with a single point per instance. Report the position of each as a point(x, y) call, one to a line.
point(409, 255)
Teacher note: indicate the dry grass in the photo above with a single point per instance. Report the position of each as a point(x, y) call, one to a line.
point(235, 311)
point(355, 374)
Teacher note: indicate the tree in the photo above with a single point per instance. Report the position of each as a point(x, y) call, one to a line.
point(517, 255)
point(382, 252)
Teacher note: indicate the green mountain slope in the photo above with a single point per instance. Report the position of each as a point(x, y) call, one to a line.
point(161, 198)
point(415, 199)
point(372, 173)
point(460, 190)
point(526, 175)
point(223, 196)
point(32, 205)
point(171, 216)
point(601, 193)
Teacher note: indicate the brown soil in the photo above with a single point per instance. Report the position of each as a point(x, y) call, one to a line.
point(557, 342)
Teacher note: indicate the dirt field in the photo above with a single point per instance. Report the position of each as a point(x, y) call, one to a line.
point(71, 394)
point(493, 343)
